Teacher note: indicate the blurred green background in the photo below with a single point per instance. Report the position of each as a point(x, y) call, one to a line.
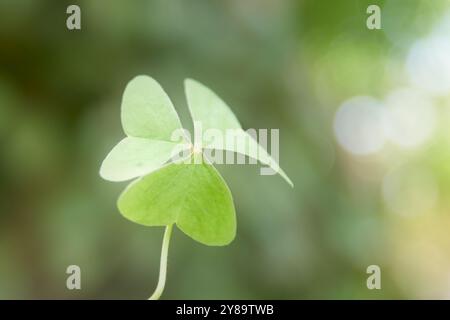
point(371, 173)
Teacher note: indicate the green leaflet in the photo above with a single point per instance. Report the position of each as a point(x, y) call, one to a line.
point(147, 111)
point(135, 157)
point(208, 110)
point(194, 196)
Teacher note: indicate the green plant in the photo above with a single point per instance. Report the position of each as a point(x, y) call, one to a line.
point(190, 194)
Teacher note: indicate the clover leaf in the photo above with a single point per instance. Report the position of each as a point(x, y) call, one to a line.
point(193, 196)
point(189, 192)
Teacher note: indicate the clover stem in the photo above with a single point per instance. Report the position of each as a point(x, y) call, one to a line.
point(163, 264)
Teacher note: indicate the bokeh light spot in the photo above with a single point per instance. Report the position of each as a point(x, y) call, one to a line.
point(428, 64)
point(410, 118)
point(358, 125)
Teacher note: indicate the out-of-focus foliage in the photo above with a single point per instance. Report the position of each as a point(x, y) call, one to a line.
point(310, 68)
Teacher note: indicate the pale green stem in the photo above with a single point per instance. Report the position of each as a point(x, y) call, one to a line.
point(163, 264)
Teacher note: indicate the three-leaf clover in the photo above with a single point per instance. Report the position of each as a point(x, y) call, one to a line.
point(191, 194)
